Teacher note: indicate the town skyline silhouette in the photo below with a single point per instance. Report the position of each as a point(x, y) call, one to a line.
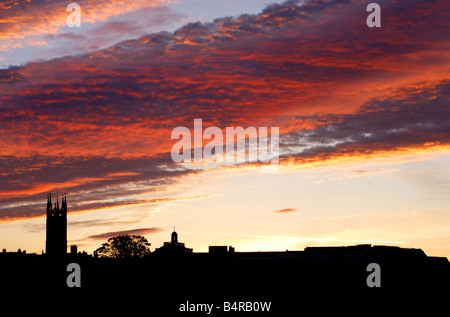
point(56, 242)
point(317, 267)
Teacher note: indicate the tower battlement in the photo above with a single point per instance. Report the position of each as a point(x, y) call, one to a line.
point(56, 233)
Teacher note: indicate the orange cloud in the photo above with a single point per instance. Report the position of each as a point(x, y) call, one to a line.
point(25, 18)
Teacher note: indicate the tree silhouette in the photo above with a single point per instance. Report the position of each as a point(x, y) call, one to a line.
point(124, 246)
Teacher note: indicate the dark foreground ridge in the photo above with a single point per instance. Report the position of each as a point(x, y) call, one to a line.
point(226, 271)
point(173, 275)
point(288, 280)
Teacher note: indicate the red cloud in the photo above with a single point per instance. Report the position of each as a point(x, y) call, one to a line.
point(285, 210)
point(335, 88)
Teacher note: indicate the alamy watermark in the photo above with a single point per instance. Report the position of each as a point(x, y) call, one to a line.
point(374, 18)
point(74, 278)
point(74, 18)
point(374, 278)
point(240, 145)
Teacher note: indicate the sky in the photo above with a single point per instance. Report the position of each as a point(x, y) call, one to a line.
point(363, 115)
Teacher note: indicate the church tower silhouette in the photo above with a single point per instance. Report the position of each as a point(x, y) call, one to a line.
point(56, 234)
point(174, 237)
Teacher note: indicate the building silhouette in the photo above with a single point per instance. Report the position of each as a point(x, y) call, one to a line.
point(173, 248)
point(56, 233)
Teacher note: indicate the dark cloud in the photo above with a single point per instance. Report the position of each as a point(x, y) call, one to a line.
point(11, 74)
point(107, 235)
point(410, 118)
point(91, 182)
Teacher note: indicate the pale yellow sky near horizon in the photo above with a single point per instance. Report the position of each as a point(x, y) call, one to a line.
point(400, 201)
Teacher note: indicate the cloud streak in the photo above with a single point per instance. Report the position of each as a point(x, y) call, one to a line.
point(107, 235)
point(285, 210)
